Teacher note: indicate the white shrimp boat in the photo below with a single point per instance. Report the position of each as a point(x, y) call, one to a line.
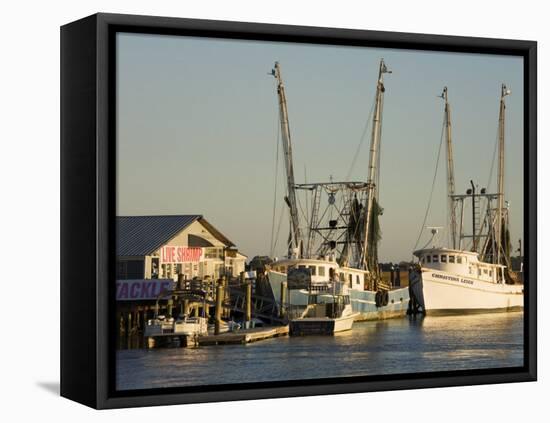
point(338, 242)
point(479, 280)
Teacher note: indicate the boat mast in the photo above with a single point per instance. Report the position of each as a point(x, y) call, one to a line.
point(373, 159)
point(500, 189)
point(450, 168)
point(295, 236)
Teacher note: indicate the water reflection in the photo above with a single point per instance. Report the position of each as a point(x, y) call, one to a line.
point(372, 348)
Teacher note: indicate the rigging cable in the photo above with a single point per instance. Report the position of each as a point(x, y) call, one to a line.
point(278, 228)
point(489, 181)
point(367, 123)
point(275, 190)
point(432, 189)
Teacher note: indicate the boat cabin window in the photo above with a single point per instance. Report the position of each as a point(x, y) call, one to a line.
point(313, 272)
point(479, 272)
point(321, 271)
point(490, 273)
point(428, 259)
point(350, 279)
point(459, 259)
point(357, 280)
point(302, 266)
point(485, 271)
point(451, 259)
point(436, 259)
point(443, 258)
point(342, 277)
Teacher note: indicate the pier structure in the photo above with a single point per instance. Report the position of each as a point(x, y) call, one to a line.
point(243, 300)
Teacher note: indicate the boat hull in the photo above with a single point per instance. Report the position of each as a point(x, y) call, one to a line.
point(450, 294)
point(321, 326)
point(363, 303)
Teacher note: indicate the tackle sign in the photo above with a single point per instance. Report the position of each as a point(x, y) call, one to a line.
point(141, 289)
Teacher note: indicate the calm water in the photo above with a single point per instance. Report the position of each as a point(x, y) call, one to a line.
point(372, 348)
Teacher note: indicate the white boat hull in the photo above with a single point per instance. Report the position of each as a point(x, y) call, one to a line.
point(321, 326)
point(447, 293)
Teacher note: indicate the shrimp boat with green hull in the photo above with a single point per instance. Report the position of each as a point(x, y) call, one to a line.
point(336, 241)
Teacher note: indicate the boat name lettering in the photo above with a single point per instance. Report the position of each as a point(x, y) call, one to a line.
point(452, 278)
point(447, 277)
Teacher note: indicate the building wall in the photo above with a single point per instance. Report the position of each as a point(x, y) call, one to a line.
point(236, 264)
point(211, 263)
point(208, 266)
point(130, 267)
point(195, 228)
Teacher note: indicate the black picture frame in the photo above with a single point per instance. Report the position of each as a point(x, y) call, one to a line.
point(88, 200)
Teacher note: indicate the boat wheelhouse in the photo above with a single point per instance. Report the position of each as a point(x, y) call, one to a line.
point(461, 262)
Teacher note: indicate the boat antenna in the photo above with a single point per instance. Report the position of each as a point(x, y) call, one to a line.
point(434, 231)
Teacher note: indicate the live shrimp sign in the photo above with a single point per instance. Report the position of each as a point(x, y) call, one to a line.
point(175, 255)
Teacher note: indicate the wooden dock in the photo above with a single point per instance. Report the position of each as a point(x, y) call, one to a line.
point(243, 336)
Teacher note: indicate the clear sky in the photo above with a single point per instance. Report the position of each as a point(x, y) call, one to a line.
point(197, 125)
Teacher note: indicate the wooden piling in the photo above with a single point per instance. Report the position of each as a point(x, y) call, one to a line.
point(397, 276)
point(121, 325)
point(226, 298)
point(170, 305)
point(219, 305)
point(129, 324)
point(248, 306)
point(282, 310)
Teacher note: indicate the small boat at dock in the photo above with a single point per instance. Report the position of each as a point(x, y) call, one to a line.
point(329, 311)
point(182, 326)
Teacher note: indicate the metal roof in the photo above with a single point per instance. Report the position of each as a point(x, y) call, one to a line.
point(142, 235)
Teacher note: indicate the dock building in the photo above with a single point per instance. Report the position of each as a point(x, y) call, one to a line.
point(162, 247)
